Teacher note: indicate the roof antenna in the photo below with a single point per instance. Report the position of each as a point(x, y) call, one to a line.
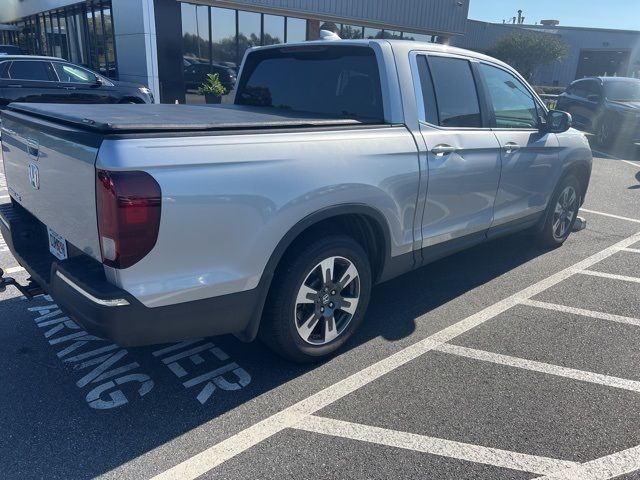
point(329, 35)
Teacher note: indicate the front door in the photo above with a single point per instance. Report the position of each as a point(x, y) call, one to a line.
point(530, 156)
point(463, 156)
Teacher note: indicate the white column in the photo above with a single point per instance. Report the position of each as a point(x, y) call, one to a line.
point(135, 37)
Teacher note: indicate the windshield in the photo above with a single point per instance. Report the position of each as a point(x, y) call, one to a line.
point(623, 91)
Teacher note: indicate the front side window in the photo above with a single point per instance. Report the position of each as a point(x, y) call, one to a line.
point(456, 93)
point(512, 103)
point(30, 70)
point(71, 74)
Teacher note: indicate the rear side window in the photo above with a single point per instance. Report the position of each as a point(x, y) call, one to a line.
point(335, 81)
point(4, 67)
point(512, 103)
point(30, 70)
point(455, 91)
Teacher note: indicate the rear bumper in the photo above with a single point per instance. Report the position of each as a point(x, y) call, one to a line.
point(80, 289)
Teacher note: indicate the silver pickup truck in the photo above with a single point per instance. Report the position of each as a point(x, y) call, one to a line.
point(340, 164)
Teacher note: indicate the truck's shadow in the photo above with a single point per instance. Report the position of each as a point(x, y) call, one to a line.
point(49, 429)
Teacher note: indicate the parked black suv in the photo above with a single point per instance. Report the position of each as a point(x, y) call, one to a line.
point(25, 78)
point(10, 50)
point(609, 107)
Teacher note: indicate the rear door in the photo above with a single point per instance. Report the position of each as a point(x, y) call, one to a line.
point(530, 161)
point(31, 81)
point(463, 153)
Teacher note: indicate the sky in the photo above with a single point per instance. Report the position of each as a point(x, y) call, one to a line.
point(619, 14)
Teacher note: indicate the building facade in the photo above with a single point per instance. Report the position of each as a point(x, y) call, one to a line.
point(592, 51)
point(170, 45)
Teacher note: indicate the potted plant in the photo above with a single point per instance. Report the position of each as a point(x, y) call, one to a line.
point(212, 89)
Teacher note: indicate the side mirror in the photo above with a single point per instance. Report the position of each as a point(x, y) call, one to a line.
point(558, 121)
point(98, 82)
point(593, 98)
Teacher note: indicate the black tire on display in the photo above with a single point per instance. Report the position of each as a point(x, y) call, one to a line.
point(561, 213)
point(318, 298)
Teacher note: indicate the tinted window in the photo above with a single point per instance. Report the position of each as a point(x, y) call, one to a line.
point(29, 70)
point(4, 67)
point(578, 89)
point(591, 88)
point(512, 103)
point(622, 91)
point(342, 81)
point(456, 93)
point(71, 74)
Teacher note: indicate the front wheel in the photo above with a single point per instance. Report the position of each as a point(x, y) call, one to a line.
point(562, 212)
point(318, 298)
point(604, 134)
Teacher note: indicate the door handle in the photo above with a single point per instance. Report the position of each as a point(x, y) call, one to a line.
point(14, 86)
point(443, 149)
point(69, 88)
point(510, 147)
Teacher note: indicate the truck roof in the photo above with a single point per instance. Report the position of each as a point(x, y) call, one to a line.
point(399, 46)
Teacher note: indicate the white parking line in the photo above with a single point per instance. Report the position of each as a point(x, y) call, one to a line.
point(634, 250)
point(613, 276)
point(541, 367)
point(3, 197)
point(604, 468)
point(584, 313)
point(631, 163)
point(14, 270)
point(213, 456)
point(434, 446)
point(610, 215)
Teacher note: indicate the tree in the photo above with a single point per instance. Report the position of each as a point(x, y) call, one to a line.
point(527, 52)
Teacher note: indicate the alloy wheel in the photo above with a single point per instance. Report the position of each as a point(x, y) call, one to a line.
point(565, 212)
point(327, 300)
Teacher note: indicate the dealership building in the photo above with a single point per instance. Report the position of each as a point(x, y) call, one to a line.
point(169, 45)
point(164, 43)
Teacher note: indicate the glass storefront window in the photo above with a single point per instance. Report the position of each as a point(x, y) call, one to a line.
point(223, 32)
point(273, 30)
point(249, 32)
point(82, 34)
point(373, 33)
point(418, 37)
point(351, 32)
point(391, 35)
point(196, 45)
point(296, 30)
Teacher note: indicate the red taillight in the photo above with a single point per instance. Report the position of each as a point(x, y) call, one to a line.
point(128, 205)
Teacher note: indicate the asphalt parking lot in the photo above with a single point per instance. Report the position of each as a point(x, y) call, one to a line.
point(502, 362)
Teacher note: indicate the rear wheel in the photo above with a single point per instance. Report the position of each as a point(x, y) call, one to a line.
point(562, 212)
point(318, 298)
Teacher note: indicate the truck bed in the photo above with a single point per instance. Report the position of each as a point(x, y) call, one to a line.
point(115, 119)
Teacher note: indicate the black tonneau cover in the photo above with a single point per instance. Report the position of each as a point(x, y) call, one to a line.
point(162, 117)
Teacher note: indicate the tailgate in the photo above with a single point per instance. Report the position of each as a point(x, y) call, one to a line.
point(51, 173)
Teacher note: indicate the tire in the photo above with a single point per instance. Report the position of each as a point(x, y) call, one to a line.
point(563, 208)
point(289, 316)
point(604, 135)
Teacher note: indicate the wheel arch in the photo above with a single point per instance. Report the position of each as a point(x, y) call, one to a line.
point(364, 223)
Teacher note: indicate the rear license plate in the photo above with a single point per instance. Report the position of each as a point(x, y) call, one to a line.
point(57, 245)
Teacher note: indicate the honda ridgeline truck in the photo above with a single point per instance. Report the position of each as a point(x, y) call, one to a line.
point(340, 164)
